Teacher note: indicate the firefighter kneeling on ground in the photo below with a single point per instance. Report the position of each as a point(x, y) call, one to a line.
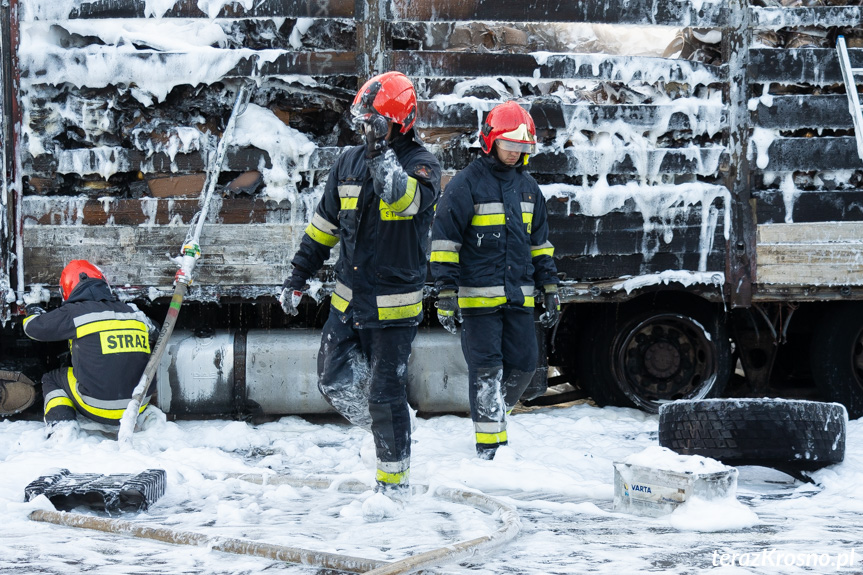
point(109, 343)
point(378, 201)
point(490, 254)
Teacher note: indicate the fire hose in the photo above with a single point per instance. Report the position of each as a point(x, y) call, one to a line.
point(510, 526)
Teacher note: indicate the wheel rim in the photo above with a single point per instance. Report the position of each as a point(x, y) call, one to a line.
point(665, 357)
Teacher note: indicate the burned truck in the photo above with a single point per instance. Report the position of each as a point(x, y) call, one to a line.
point(705, 199)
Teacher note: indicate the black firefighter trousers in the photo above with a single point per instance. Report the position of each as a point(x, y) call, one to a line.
point(500, 350)
point(64, 400)
point(362, 373)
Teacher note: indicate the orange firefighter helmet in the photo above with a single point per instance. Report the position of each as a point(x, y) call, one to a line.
point(511, 127)
point(74, 272)
point(391, 95)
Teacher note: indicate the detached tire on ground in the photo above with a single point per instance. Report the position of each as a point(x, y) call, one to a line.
point(789, 435)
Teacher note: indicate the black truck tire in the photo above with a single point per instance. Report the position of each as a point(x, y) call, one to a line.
point(654, 350)
point(836, 356)
point(789, 435)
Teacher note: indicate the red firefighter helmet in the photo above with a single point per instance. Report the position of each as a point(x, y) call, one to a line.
point(391, 95)
point(511, 126)
point(74, 272)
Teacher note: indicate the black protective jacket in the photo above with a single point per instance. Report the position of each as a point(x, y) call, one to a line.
point(381, 211)
point(490, 238)
point(109, 339)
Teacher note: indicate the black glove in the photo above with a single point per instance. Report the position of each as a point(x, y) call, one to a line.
point(376, 128)
point(34, 309)
point(551, 303)
point(290, 299)
point(447, 310)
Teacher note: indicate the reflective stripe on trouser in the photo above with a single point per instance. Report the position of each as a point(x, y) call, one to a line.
point(58, 406)
point(501, 350)
point(490, 433)
point(363, 374)
point(61, 389)
point(394, 472)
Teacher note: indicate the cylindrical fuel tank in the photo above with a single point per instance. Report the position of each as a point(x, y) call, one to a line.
point(275, 373)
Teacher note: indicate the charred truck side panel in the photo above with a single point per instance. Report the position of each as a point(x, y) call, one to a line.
point(705, 208)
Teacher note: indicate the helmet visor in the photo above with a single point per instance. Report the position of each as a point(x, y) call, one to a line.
point(508, 146)
point(359, 114)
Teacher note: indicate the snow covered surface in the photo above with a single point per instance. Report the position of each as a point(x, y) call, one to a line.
point(557, 473)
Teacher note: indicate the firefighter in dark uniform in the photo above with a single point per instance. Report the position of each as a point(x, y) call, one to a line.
point(378, 201)
point(490, 254)
point(109, 342)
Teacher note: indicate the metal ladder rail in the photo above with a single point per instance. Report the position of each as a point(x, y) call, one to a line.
point(848, 74)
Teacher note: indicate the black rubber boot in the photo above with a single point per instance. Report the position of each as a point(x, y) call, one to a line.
point(487, 451)
point(59, 414)
point(395, 491)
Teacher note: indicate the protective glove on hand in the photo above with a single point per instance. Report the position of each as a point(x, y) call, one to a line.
point(447, 310)
point(551, 303)
point(290, 299)
point(34, 309)
point(376, 128)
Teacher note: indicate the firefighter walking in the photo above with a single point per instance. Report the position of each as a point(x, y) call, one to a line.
point(378, 202)
point(109, 342)
point(490, 254)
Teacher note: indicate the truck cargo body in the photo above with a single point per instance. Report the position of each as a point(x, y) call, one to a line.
point(705, 206)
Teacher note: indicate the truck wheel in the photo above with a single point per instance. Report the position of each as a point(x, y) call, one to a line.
point(644, 358)
point(837, 356)
point(790, 435)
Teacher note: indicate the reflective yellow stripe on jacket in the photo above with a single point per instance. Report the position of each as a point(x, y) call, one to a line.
point(348, 196)
point(399, 306)
point(527, 215)
point(545, 249)
point(406, 207)
point(109, 324)
point(444, 251)
point(323, 231)
point(490, 214)
point(341, 297)
point(118, 332)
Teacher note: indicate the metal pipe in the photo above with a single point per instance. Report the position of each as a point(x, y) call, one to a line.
point(769, 323)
